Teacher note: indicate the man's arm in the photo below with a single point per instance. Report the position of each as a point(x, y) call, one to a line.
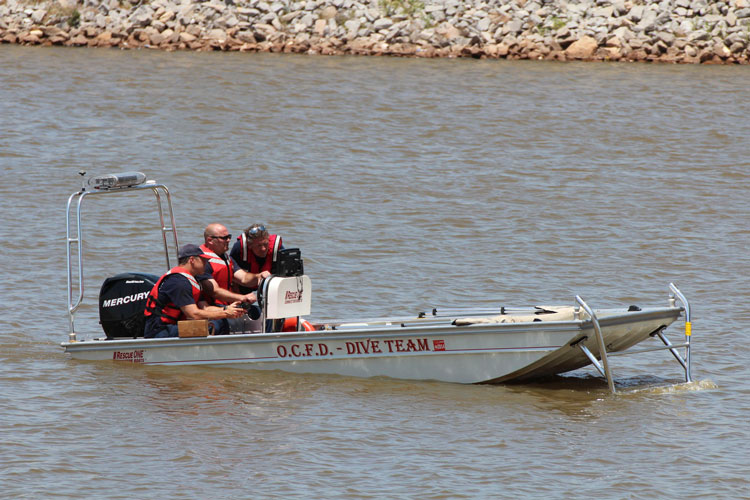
point(244, 276)
point(192, 311)
point(178, 291)
point(213, 290)
point(249, 279)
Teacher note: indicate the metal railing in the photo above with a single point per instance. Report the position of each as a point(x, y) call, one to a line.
point(75, 238)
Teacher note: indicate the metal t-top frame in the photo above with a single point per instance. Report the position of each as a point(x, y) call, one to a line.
point(602, 364)
point(75, 237)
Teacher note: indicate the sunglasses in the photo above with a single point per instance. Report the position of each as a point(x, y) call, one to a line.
point(254, 231)
point(225, 238)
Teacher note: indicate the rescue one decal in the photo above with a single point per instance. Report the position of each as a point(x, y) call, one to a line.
point(358, 347)
point(135, 356)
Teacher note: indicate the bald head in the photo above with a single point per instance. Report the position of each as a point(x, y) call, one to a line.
point(217, 238)
point(214, 229)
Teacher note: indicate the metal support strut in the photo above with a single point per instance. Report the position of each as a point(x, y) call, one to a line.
point(604, 366)
point(685, 362)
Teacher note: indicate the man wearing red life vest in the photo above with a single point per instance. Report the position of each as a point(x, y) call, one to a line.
point(177, 296)
point(255, 251)
point(222, 272)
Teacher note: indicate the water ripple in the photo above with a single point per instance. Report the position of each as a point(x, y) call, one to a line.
point(408, 184)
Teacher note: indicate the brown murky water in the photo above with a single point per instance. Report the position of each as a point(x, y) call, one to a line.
point(407, 184)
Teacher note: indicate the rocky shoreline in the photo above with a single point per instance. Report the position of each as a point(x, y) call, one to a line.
point(673, 31)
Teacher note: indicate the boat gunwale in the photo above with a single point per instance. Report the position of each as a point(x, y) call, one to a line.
point(362, 333)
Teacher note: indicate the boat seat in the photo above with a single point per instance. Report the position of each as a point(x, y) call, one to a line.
point(564, 313)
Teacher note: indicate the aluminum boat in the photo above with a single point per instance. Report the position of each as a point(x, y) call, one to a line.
point(482, 345)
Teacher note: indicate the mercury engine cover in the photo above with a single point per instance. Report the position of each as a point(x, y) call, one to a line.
point(122, 300)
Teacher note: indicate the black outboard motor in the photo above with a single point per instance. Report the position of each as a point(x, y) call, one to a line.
point(122, 300)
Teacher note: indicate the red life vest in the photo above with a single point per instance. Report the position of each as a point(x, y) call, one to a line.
point(221, 269)
point(248, 257)
point(169, 313)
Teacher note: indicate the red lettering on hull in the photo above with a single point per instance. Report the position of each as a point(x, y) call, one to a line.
point(408, 345)
point(358, 347)
point(303, 351)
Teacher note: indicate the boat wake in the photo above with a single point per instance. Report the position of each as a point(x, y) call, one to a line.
point(678, 388)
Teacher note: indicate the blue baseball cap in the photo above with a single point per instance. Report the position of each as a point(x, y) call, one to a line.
point(189, 250)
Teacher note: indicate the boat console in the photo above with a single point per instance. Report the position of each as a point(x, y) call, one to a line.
point(285, 297)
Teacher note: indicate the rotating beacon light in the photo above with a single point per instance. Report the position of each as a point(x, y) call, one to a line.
point(122, 180)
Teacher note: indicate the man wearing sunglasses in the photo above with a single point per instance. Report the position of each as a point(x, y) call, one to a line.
point(222, 272)
point(255, 251)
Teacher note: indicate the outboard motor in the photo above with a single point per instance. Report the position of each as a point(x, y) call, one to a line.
point(122, 300)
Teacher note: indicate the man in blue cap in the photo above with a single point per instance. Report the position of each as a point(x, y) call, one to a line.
point(177, 296)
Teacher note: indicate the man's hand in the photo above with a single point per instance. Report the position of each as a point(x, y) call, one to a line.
point(234, 310)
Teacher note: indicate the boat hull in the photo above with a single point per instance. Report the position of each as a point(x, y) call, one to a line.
point(486, 353)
